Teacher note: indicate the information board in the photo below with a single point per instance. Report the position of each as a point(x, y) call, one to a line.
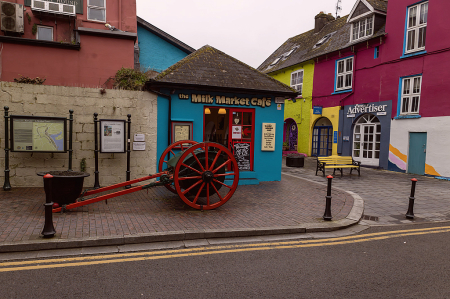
point(243, 155)
point(268, 137)
point(38, 134)
point(112, 136)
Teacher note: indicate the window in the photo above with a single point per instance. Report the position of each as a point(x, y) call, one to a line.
point(362, 28)
point(97, 10)
point(297, 80)
point(416, 27)
point(344, 73)
point(275, 61)
point(44, 33)
point(410, 95)
point(376, 52)
point(324, 39)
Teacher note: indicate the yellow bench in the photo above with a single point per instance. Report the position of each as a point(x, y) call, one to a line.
point(337, 163)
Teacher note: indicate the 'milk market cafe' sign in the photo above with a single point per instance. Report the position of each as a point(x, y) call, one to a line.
point(223, 100)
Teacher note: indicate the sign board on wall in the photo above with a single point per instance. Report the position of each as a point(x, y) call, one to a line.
point(242, 155)
point(236, 132)
point(112, 136)
point(317, 110)
point(38, 134)
point(268, 137)
point(224, 100)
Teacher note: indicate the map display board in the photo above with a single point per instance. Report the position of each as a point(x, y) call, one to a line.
point(38, 134)
point(112, 136)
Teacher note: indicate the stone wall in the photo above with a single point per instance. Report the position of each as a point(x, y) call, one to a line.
point(25, 99)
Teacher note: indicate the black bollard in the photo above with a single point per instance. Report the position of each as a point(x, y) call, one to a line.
point(410, 213)
point(49, 229)
point(327, 214)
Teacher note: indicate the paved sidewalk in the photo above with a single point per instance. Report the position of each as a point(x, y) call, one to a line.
point(386, 193)
point(290, 206)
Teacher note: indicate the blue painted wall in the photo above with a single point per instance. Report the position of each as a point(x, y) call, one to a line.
point(266, 166)
point(156, 53)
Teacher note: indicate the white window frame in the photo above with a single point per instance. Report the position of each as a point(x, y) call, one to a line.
point(362, 22)
point(413, 28)
point(89, 6)
point(295, 83)
point(48, 27)
point(410, 95)
point(344, 73)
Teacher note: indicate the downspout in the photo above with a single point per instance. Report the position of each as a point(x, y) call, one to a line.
point(120, 14)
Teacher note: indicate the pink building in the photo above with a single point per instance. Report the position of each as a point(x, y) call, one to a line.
point(66, 41)
point(390, 86)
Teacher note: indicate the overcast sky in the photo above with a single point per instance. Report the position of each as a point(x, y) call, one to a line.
point(249, 30)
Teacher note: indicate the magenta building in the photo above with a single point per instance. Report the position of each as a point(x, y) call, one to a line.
point(388, 82)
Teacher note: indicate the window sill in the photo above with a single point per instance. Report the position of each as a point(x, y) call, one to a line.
point(413, 54)
point(407, 116)
point(342, 91)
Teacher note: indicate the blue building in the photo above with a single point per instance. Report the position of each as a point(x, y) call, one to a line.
point(157, 49)
point(211, 96)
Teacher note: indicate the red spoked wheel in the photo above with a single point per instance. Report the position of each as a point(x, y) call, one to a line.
point(206, 176)
point(162, 165)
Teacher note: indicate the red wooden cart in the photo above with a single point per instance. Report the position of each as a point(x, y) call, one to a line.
point(204, 175)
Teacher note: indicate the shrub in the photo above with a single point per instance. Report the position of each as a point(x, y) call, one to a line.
point(130, 79)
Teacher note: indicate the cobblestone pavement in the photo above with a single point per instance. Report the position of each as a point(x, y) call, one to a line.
point(386, 193)
point(290, 202)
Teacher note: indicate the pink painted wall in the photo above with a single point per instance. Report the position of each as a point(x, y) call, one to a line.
point(98, 59)
point(377, 80)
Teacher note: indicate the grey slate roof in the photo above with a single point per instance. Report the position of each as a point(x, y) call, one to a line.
point(209, 67)
point(306, 45)
point(378, 5)
point(165, 36)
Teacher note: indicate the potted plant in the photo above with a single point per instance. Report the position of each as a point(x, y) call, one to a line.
point(295, 160)
point(285, 146)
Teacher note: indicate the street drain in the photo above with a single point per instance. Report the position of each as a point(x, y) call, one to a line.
point(371, 218)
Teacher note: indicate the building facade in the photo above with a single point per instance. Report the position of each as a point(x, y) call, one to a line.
point(220, 99)
point(157, 49)
point(67, 42)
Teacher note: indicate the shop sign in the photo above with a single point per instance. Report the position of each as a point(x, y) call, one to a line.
point(224, 100)
point(279, 100)
point(268, 137)
point(317, 110)
point(335, 139)
point(236, 132)
point(366, 108)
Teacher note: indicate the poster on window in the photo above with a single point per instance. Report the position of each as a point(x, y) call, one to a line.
point(242, 155)
point(112, 136)
point(236, 132)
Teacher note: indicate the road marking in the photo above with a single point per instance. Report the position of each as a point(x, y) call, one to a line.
point(165, 254)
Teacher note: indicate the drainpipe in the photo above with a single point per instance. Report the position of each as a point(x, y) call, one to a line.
point(120, 14)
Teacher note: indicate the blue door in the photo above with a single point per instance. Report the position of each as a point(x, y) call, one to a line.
point(417, 153)
point(322, 141)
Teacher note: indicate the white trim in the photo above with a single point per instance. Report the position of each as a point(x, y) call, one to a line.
point(344, 74)
point(365, 36)
point(37, 32)
point(410, 95)
point(298, 84)
point(416, 28)
point(95, 7)
point(349, 19)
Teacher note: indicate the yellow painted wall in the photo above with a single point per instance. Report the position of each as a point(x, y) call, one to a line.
point(300, 111)
point(332, 113)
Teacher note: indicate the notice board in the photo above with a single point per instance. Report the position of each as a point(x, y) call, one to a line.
point(242, 153)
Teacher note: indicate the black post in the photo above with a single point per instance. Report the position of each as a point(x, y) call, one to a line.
point(70, 138)
point(6, 185)
point(128, 149)
point(327, 214)
point(410, 213)
point(49, 229)
point(96, 183)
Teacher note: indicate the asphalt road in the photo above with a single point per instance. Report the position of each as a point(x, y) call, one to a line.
point(408, 261)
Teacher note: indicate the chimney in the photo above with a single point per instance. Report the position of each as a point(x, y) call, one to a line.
point(321, 20)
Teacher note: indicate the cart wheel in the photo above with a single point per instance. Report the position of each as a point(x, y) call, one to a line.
point(200, 173)
point(162, 165)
